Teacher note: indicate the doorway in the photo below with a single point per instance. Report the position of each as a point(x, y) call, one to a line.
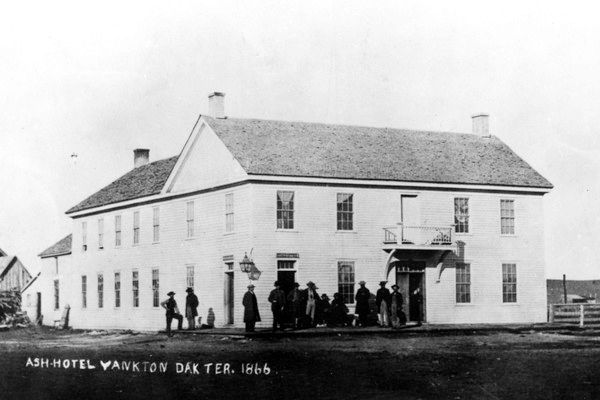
point(229, 300)
point(286, 276)
point(409, 277)
point(38, 309)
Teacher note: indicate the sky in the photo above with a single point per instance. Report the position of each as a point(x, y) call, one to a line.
point(98, 80)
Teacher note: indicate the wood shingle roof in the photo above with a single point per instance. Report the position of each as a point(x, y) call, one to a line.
point(60, 248)
point(302, 149)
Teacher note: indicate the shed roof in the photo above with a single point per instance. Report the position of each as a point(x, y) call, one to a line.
point(62, 247)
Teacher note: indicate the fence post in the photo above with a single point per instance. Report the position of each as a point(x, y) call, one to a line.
point(581, 315)
point(551, 313)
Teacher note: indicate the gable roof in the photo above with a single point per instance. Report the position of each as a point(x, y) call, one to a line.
point(304, 149)
point(6, 263)
point(142, 181)
point(354, 152)
point(62, 247)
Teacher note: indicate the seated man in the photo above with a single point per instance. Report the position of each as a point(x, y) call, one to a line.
point(339, 312)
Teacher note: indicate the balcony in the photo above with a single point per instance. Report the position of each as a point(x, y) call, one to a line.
point(418, 237)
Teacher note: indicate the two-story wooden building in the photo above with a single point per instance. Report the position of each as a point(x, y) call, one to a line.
point(458, 215)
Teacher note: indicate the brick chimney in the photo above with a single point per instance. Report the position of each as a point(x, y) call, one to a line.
point(140, 157)
point(216, 105)
point(481, 125)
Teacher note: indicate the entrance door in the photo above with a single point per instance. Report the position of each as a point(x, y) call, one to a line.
point(229, 297)
point(38, 311)
point(286, 279)
point(415, 280)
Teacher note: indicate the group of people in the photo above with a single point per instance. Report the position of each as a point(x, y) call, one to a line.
point(305, 308)
point(191, 311)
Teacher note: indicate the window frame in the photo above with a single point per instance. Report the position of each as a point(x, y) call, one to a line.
point(285, 210)
point(461, 227)
point(100, 288)
point(100, 233)
point(507, 215)
point(155, 224)
point(84, 235)
point(346, 288)
point(155, 287)
point(463, 285)
point(229, 213)
point(56, 294)
point(189, 278)
point(509, 296)
point(189, 218)
point(117, 288)
point(345, 217)
point(136, 228)
point(83, 291)
point(135, 288)
point(118, 231)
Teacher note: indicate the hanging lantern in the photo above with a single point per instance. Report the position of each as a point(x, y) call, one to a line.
point(246, 264)
point(254, 273)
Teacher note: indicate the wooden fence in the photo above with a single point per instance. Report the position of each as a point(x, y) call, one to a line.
point(582, 314)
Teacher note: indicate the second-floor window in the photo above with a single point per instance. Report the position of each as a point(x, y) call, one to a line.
point(345, 212)
point(461, 215)
point(117, 230)
point(135, 286)
point(507, 217)
point(229, 212)
point(117, 289)
point(136, 227)
point(190, 219)
point(84, 235)
point(189, 276)
point(346, 281)
point(100, 291)
point(83, 291)
point(463, 283)
point(101, 233)
point(285, 210)
point(155, 224)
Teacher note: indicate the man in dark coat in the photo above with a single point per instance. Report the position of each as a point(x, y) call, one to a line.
point(362, 303)
point(397, 315)
point(191, 308)
point(277, 300)
point(416, 299)
point(172, 312)
point(251, 314)
point(294, 300)
point(383, 301)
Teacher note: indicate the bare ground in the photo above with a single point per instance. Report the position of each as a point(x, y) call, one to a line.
point(531, 365)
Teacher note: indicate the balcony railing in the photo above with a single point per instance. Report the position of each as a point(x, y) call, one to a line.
point(418, 235)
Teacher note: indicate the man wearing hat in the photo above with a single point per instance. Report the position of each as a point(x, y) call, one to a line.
point(397, 315)
point(191, 308)
point(172, 312)
point(383, 300)
point(311, 302)
point(294, 300)
point(362, 303)
point(251, 314)
point(277, 300)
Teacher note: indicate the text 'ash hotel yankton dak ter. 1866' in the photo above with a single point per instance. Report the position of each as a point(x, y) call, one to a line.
point(459, 216)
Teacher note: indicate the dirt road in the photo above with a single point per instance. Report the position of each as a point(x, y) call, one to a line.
point(40, 364)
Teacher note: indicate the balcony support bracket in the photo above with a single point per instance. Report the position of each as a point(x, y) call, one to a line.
point(440, 265)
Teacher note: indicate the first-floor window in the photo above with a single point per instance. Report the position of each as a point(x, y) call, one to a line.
point(463, 283)
point(346, 280)
point(100, 291)
point(56, 303)
point(155, 299)
point(83, 291)
point(190, 276)
point(135, 285)
point(117, 289)
point(509, 283)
